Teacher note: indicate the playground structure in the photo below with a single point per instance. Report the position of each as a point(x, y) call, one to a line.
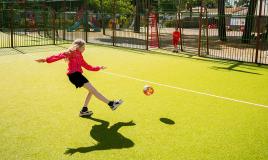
point(153, 30)
point(85, 18)
point(147, 28)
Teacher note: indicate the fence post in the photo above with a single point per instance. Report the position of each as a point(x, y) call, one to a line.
point(207, 30)
point(11, 27)
point(200, 28)
point(102, 17)
point(54, 25)
point(258, 33)
point(25, 20)
point(180, 25)
point(147, 28)
point(113, 25)
point(64, 20)
point(157, 29)
point(86, 23)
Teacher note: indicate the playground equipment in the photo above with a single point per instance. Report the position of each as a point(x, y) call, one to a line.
point(76, 25)
point(153, 30)
point(81, 19)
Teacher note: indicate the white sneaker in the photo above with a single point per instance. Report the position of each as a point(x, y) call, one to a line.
point(85, 113)
point(116, 103)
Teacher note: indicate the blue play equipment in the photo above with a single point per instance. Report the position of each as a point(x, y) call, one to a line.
point(77, 24)
point(74, 27)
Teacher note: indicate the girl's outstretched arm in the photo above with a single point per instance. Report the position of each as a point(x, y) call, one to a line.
point(41, 60)
point(55, 58)
point(52, 58)
point(91, 68)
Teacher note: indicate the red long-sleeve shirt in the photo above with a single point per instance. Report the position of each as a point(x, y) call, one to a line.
point(176, 36)
point(75, 62)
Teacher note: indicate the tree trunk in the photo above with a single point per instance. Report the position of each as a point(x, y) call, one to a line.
point(221, 22)
point(249, 21)
point(189, 7)
point(137, 18)
point(102, 18)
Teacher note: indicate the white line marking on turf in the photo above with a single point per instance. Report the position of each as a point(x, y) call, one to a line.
point(187, 90)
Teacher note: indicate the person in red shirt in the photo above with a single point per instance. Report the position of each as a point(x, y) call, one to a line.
point(176, 39)
point(76, 61)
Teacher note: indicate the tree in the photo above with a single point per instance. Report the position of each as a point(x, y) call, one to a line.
point(137, 17)
point(221, 22)
point(210, 3)
point(122, 6)
point(249, 21)
point(168, 5)
point(189, 8)
point(108, 7)
point(94, 5)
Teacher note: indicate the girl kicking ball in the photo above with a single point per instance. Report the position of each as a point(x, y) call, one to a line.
point(76, 61)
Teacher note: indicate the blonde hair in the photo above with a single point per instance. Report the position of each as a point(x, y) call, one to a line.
point(77, 44)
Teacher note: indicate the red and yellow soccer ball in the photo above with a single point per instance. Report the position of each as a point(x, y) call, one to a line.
point(148, 90)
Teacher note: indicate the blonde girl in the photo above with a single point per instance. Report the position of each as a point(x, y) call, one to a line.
point(74, 72)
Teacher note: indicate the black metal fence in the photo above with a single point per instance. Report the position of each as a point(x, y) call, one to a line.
point(47, 28)
point(202, 31)
point(237, 34)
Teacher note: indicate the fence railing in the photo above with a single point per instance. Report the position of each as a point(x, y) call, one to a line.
point(200, 32)
point(43, 28)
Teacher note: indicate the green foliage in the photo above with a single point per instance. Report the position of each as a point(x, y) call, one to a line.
point(187, 4)
point(121, 6)
point(169, 24)
point(94, 5)
point(241, 3)
point(168, 5)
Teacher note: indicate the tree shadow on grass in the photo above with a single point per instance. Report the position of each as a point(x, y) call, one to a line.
point(232, 68)
point(128, 40)
point(106, 137)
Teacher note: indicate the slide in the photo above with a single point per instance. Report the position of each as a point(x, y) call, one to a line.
point(132, 23)
point(74, 27)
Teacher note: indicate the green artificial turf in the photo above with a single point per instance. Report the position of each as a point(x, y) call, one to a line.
point(39, 108)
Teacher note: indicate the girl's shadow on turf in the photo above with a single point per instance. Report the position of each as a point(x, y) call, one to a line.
point(107, 138)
